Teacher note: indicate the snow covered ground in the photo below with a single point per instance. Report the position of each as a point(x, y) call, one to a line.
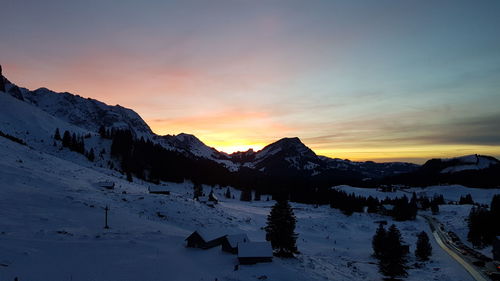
point(52, 229)
point(449, 192)
point(453, 216)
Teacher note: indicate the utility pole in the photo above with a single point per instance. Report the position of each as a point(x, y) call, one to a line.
point(106, 218)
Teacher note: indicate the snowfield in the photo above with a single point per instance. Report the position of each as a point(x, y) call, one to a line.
point(53, 217)
point(454, 217)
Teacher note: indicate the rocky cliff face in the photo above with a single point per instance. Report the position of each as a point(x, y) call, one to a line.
point(2, 83)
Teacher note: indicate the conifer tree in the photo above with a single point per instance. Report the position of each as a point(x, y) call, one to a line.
point(197, 190)
point(256, 196)
point(246, 195)
point(495, 213)
point(57, 135)
point(211, 196)
point(91, 155)
point(378, 241)
point(466, 200)
point(481, 228)
point(102, 132)
point(392, 262)
point(66, 140)
point(423, 249)
point(280, 229)
point(129, 176)
point(227, 194)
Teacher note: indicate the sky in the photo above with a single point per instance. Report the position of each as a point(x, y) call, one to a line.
point(385, 80)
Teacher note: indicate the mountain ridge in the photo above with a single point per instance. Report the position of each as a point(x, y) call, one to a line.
point(284, 157)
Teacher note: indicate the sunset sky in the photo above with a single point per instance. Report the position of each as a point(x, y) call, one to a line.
point(364, 80)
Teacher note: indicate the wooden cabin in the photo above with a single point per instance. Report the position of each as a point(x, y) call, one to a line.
point(205, 239)
point(230, 243)
point(255, 252)
point(158, 190)
point(107, 184)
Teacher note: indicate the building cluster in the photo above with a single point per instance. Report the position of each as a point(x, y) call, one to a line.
point(248, 252)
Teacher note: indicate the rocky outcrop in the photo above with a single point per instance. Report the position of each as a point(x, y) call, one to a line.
point(2, 83)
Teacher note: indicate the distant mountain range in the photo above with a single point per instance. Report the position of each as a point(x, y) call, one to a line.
point(284, 160)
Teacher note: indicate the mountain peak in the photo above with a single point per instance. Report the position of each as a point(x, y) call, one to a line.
point(287, 147)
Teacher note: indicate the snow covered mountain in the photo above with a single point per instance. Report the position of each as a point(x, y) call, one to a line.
point(86, 113)
point(40, 111)
point(471, 170)
point(460, 164)
point(468, 162)
point(291, 155)
point(284, 155)
point(286, 152)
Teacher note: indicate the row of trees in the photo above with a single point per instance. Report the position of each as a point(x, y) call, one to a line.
point(74, 142)
point(483, 223)
point(389, 248)
point(12, 138)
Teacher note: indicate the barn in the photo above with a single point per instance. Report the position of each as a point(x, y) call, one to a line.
point(255, 252)
point(230, 242)
point(205, 239)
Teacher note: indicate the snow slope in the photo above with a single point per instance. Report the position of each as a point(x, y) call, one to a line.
point(52, 229)
point(86, 113)
point(469, 162)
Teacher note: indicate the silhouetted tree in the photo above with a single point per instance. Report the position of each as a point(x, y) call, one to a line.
point(423, 249)
point(481, 227)
point(91, 155)
point(392, 261)
point(280, 229)
point(495, 213)
point(57, 135)
point(129, 176)
point(102, 132)
point(227, 194)
point(246, 195)
point(66, 140)
point(379, 240)
point(434, 208)
point(466, 200)
point(257, 196)
point(197, 190)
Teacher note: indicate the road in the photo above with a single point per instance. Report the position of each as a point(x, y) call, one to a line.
point(445, 242)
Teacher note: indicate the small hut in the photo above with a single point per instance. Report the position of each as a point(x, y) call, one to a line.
point(205, 239)
point(158, 190)
point(230, 242)
point(107, 184)
point(255, 252)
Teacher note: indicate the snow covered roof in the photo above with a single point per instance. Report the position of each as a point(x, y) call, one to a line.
point(157, 188)
point(234, 239)
point(210, 234)
point(255, 250)
point(106, 184)
point(388, 207)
